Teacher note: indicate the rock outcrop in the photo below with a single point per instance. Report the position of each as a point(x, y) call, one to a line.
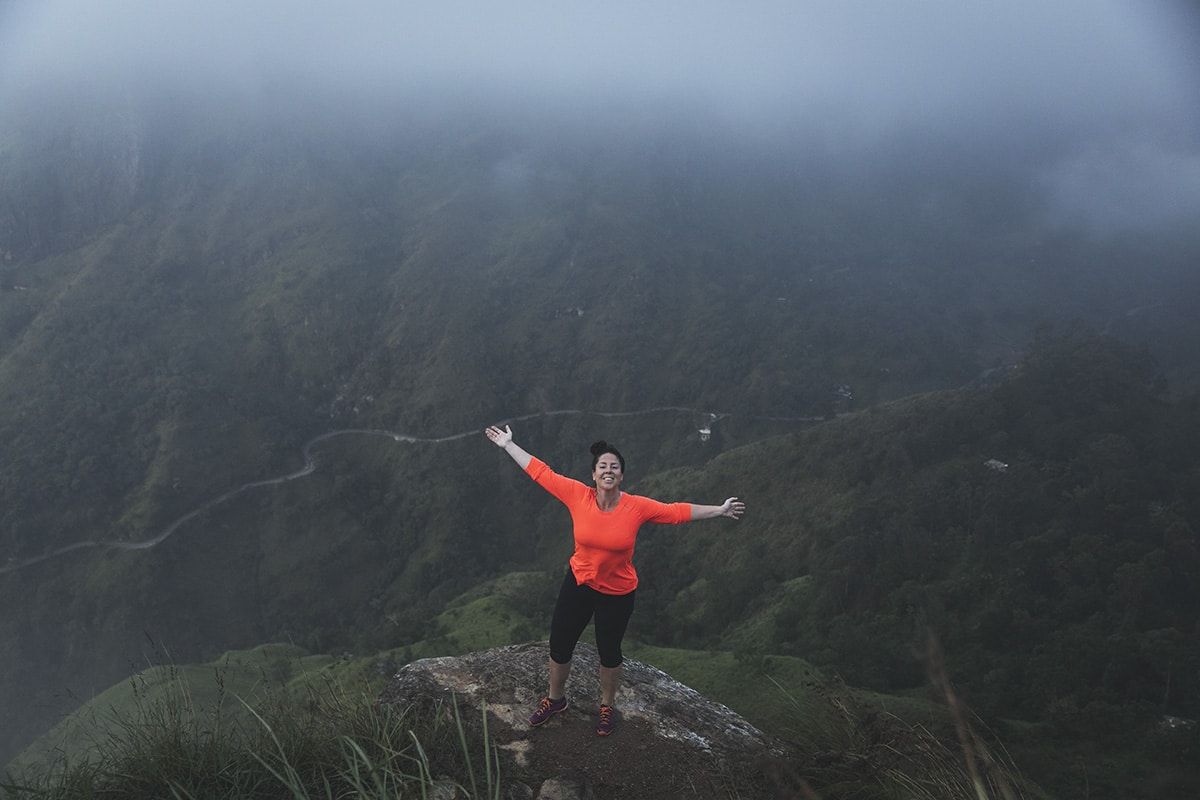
point(670, 740)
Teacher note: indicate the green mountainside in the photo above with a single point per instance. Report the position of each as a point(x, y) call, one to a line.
point(192, 303)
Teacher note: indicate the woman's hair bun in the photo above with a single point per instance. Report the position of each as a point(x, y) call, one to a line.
point(600, 448)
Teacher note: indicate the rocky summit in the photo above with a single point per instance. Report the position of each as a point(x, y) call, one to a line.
point(670, 741)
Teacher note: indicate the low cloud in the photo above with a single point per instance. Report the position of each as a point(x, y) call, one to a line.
point(1099, 96)
point(1126, 188)
point(890, 61)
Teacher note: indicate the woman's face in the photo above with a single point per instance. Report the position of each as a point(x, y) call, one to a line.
point(607, 473)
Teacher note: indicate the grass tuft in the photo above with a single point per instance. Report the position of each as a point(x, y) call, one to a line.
point(332, 743)
point(854, 749)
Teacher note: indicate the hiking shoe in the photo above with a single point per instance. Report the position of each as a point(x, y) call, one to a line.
point(547, 709)
point(607, 722)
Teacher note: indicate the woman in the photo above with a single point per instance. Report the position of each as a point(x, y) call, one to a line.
point(601, 580)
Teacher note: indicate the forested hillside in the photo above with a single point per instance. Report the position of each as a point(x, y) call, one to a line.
point(1045, 531)
point(189, 296)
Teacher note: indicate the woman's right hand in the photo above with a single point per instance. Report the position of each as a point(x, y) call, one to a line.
point(501, 438)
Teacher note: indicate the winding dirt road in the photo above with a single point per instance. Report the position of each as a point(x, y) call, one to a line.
point(310, 466)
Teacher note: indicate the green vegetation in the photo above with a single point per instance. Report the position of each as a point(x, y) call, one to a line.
point(275, 722)
point(186, 301)
point(326, 743)
point(217, 689)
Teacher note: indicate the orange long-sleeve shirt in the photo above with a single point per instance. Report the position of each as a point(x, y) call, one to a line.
point(604, 540)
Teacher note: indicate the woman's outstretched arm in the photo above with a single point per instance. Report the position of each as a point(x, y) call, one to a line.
point(732, 508)
point(504, 440)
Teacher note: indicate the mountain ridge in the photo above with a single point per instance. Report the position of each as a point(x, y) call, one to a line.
point(191, 299)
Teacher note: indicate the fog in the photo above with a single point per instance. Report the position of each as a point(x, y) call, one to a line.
point(1083, 114)
point(1097, 100)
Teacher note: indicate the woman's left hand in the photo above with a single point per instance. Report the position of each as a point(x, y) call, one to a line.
point(733, 508)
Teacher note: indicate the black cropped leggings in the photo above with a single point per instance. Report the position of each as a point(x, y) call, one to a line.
point(573, 611)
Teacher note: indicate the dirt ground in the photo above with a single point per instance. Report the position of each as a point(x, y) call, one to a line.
point(673, 743)
point(632, 762)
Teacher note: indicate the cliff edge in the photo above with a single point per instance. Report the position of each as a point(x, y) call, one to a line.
point(670, 742)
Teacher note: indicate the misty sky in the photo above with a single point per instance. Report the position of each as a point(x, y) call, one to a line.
point(1112, 86)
